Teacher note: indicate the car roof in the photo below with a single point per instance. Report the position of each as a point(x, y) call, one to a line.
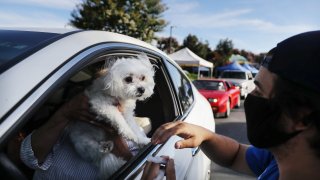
point(17, 44)
point(34, 39)
point(45, 30)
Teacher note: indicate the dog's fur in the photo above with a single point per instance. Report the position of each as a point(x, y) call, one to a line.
point(126, 81)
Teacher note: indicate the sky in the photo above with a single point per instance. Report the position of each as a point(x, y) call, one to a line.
point(252, 25)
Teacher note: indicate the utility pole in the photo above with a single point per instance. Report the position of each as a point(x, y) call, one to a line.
point(171, 27)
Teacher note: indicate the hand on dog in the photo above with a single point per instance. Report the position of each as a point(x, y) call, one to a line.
point(44, 138)
point(77, 108)
point(152, 170)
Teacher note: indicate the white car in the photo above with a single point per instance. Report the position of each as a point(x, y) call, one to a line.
point(40, 69)
point(243, 79)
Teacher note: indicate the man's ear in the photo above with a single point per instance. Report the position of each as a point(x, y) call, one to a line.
point(304, 119)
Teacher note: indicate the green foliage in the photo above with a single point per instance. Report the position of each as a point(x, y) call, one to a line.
point(201, 49)
point(222, 53)
point(136, 18)
point(164, 44)
point(258, 58)
point(225, 46)
point(192, 76)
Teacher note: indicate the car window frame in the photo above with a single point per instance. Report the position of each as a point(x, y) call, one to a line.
point(182, 111)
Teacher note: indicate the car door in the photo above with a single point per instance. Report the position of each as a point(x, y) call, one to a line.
point(175, 99)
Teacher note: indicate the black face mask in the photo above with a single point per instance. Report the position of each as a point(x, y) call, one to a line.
point(264, 128)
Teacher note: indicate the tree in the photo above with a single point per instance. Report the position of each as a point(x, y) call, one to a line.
point(225, 46)
point(136, 18)
point(258, 58)
point(223, 51)
point(164, 44)
point(201, 49)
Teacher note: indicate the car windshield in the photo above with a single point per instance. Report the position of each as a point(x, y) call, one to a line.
point(233, 75)
point(15, 45)
point(207, 85)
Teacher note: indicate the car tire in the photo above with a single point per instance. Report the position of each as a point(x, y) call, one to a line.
point(238, 102)
point(228, 111)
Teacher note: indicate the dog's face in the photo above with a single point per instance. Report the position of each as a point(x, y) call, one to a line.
point(130, 78)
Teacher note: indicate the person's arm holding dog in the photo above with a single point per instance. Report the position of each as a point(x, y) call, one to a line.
point(44, 138)
point(221, 149)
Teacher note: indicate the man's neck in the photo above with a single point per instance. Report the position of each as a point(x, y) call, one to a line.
point(297, 161)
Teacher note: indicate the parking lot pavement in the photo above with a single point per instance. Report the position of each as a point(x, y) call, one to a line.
point(235, 127)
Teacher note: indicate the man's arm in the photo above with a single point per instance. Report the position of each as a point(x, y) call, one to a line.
point(220, 149)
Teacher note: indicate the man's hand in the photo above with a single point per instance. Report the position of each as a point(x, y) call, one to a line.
point(192, 135)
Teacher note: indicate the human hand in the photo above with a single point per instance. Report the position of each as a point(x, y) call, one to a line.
point(45, 137)
point(153, 170)
point(77, 108)
point(192, 135)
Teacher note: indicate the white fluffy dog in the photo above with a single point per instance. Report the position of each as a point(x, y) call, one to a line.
point(113, 98)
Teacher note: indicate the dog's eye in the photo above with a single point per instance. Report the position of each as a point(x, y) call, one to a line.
point(142, 78)
point(128, 79)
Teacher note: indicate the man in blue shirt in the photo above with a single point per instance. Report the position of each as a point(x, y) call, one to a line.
point(282, 114)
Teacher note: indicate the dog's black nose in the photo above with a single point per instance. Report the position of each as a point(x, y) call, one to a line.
point(140, 90)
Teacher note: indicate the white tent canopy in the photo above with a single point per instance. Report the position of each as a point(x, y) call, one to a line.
point(185, 57)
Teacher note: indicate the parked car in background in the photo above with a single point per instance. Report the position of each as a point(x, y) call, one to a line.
point(41, 69)
point(243, 79)
point(222, 95)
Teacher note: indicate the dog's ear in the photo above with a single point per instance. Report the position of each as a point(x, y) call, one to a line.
point(145, 60)
point(143, 56)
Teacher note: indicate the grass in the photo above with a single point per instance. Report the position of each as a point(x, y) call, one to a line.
point(192, 76)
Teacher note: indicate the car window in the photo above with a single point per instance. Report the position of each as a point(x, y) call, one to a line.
point(206, 85)
point(229, 84)
point(221, 86)
point(150, 114)
point(233, 75)
point(182, 86)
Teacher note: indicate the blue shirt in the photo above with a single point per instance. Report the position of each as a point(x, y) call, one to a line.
point(262, 163)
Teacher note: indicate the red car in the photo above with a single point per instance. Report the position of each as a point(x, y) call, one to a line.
point(221, 94)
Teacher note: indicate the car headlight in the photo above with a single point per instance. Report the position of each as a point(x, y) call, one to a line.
point(214, 100)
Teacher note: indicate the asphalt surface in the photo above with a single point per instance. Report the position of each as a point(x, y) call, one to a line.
point(235, 127)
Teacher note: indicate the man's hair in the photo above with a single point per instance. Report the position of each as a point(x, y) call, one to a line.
point(293, 99)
